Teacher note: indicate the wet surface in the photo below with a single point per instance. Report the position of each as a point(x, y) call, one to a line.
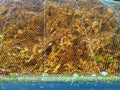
point(59, 86)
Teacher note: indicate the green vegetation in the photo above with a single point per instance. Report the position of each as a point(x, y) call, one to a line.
point(97, 58)
point(13, 75)
point(110, 59)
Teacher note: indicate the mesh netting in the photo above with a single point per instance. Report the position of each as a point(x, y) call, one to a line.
point(58, 37)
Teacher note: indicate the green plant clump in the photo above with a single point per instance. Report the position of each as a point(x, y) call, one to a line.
point(110, 59)
point(97, 58)
point(13, 75)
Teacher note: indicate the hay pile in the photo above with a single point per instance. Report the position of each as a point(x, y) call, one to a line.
point(72, 36)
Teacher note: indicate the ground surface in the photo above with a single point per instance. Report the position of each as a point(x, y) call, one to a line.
point(67, 40)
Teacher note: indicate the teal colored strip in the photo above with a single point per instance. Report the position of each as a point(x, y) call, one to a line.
point(59, 79)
